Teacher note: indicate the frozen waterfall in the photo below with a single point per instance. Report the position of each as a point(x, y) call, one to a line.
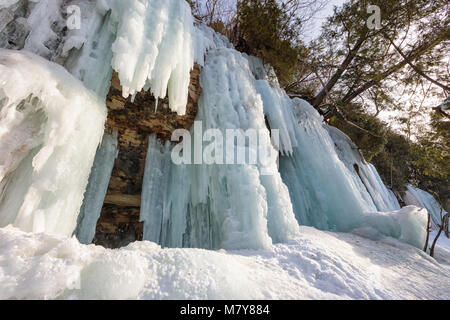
point(53, 123)
point(232, 206)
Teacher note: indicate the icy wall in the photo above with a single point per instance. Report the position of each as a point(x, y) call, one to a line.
point(235, 206)
point(50, 128)
point(317, 165)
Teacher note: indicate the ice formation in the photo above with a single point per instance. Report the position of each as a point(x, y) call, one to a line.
point(420, 198)
point(331, 186)
point(50, 128)
point(96, 189)
point(232, 206)
point(236, 206)
point(364, 174)
point(155, 189)
point(149, 43)
point(154, 48)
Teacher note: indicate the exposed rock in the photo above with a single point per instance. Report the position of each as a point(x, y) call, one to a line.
point(135, 120)
point(123, 200)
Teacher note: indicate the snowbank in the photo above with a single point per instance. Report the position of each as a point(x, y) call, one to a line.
point(316, 265)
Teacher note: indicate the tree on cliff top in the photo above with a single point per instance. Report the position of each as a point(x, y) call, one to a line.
point(268, 29)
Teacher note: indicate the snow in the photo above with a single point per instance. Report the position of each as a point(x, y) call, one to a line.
point(315, 265)
point(50, 127)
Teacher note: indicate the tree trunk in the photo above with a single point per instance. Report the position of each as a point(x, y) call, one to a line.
point(425, 248)
point(318, 99)
point(443, 223)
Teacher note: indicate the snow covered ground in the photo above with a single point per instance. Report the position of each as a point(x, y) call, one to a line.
point(317, 265)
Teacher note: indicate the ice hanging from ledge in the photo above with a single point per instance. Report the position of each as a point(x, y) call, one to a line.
point(154, 48)
point(50, 128)
point(149, 43)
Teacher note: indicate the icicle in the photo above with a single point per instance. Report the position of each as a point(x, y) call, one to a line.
point(97, 187)
point(154, 44)
point(155, 188)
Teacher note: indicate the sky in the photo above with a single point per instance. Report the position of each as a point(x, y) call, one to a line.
point(320, 18)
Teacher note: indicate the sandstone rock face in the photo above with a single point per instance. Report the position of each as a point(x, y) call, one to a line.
point(135, 121)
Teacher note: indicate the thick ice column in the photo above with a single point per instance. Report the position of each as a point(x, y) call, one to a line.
point(50, 127)
point(97, 187)
point(155, 188)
